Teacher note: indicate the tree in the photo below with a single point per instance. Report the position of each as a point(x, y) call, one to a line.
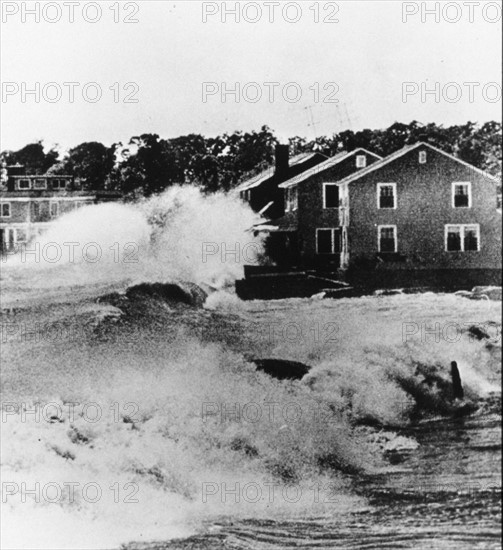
point(32, 157)
point(91, 162)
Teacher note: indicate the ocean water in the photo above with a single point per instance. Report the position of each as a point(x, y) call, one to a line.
point(145, 424)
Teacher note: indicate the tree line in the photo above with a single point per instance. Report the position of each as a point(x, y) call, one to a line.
point(149, 164)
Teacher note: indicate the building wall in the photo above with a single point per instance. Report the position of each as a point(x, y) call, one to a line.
point(24, 223)
point(424, 207)
point(311, 215)
point(25, 211)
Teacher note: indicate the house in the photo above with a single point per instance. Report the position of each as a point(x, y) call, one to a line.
point(417, 210)
point(262, 191)
point(309, 201)
point(30, 203)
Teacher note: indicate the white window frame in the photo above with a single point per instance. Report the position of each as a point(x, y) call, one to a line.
point(395, 234)
point(24, 188)
point(332, 240)
point(1, 209)
point(291, 206)
point(395, 199)
point(44, 180)
point(17, 235)
point(422, 157)
point(325, 207)
point(361, 161)
point(453, 191)
point(8, 232)
point(36, 209)
point(59, 186)
point(51, 204)
point(462, 227)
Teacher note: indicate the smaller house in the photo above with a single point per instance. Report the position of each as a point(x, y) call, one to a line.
point(30, 203)
point(262, 191)
point(309, 200)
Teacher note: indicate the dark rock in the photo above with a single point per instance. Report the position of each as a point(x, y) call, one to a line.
point(281, 368)
point(183, 292)
point(478, 332)
point(457, 387)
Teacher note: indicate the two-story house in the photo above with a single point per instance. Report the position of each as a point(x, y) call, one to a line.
point(419, 209)
point(30, 203)
point(313, 199)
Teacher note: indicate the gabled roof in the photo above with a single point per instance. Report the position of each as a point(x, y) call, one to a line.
point(400, 153)
point(263, 176)
point(326, 165)
point(256, 180)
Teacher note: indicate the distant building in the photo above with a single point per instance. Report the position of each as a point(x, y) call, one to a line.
point(417, 209)
point(30, 203)
point(262, 191)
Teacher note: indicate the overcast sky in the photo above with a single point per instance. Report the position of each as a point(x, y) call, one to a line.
point(170, 52)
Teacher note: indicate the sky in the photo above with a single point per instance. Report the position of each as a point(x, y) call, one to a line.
point(303, 68)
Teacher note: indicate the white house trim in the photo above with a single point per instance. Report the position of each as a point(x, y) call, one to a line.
point(326, 165)
point(52, 198)
point(453, 189)
point(332, 240)
point(10, 210)
point(397, 154)
point(462, 227)
point(395, 198)
point(395, 235)
point(325, 185)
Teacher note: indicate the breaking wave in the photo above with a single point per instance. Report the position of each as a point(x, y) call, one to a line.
point(180, 234)
point(153, 403)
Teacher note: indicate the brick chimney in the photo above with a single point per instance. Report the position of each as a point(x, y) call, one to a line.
point(282, 160)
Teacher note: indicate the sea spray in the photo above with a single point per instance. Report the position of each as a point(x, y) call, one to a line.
point(180, 234)
point(183, 416)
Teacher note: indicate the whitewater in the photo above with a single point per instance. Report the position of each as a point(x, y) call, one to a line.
point(151, 407)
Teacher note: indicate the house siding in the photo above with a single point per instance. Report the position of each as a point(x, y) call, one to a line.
point(24, 223)
point(423, 209)
point(311, 215)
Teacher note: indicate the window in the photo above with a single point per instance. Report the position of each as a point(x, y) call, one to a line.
point(24, 184)
point(5, 209)
point(21, 236)
point(361, 161)
point(54, 209)
point(329, 241)
point(40, 183)
point(59, 184)
point(461, 194)
point(386, 195)
point(292, 198)
point(386, 237)
point(331, 195)
point(422, 157)
point(462, 238)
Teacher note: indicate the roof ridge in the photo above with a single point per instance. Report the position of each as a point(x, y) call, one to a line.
point(325, 165)
point(400, 152)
